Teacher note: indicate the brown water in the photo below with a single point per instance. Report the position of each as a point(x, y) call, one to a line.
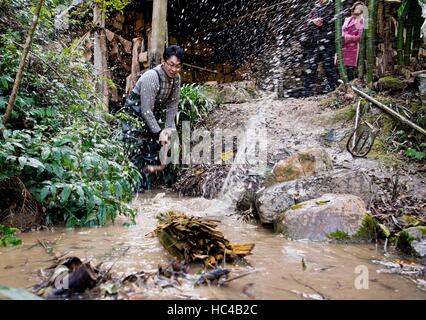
point(276, 266)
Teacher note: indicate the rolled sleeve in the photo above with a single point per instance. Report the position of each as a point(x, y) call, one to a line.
point(149, 87)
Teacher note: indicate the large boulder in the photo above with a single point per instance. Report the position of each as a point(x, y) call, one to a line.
point(318, 219)
point(300, 165)
point(272, 201)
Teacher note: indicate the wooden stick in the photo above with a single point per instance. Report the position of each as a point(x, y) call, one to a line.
point(199, 68)
point(22, 63)
point(127, 44)
point(356, 122)
point(417, 73)
point(239, 276)
point(389, 110)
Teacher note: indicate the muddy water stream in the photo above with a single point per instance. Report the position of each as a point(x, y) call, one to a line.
point(276, 263)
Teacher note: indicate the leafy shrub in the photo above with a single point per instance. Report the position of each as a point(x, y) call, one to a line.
point(58, 141)
point(193, 104)
point(80, 175)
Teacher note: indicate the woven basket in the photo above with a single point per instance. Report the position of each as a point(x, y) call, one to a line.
point(18, 208)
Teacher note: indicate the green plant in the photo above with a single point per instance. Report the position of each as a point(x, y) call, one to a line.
point(58, 141)
point(403, 241)
point(193, 104)
point(368, 230)
point(8, 238)
point(339, 235)
point(111, 5)
point(417, 155)
point(80, 175)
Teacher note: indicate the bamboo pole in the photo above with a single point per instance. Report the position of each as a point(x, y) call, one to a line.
point(389, 110)
point(371, 39)
point(361, 61)
point(400, 33)
point(199, 68)
point(338, 40)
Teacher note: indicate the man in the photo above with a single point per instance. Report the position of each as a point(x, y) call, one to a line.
point(154, 97)
point(318, 42)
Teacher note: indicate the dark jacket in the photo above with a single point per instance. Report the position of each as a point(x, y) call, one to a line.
point(315, 36)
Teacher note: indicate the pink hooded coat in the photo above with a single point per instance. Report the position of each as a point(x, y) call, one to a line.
point(352, 33)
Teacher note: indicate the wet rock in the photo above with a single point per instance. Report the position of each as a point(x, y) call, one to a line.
point(272, 201)
point(413, 239)
point(302, 164)
point(316, 219)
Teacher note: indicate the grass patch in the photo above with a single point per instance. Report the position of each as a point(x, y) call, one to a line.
point(339, 235)
point(344, 114)
point(368, 229)
point(403, 242)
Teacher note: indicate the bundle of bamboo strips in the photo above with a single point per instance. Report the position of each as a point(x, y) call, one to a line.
point(191, 238)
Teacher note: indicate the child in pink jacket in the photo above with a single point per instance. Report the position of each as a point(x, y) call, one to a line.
point(352, 32)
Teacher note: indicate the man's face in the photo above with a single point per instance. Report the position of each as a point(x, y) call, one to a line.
point(172, 66)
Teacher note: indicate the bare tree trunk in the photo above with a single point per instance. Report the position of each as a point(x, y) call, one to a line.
point(100, 60)
point(21, 67)
point(133, 77)
point(158, 27)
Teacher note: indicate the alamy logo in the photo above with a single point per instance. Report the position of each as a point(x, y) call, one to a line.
point(361, 281)
point(217, 147)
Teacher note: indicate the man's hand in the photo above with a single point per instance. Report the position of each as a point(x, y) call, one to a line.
point(318, 22)
point(165, 136)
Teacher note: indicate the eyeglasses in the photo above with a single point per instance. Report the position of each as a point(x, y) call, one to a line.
point(173, 66)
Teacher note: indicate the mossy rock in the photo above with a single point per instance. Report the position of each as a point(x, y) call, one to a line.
point(390, 84)
point(302, 164)
point(332, 216)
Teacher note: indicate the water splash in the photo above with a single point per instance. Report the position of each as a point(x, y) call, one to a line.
point(250, 162)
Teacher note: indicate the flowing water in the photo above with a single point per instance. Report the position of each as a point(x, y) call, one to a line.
point(275, 264)
point(275, 267)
